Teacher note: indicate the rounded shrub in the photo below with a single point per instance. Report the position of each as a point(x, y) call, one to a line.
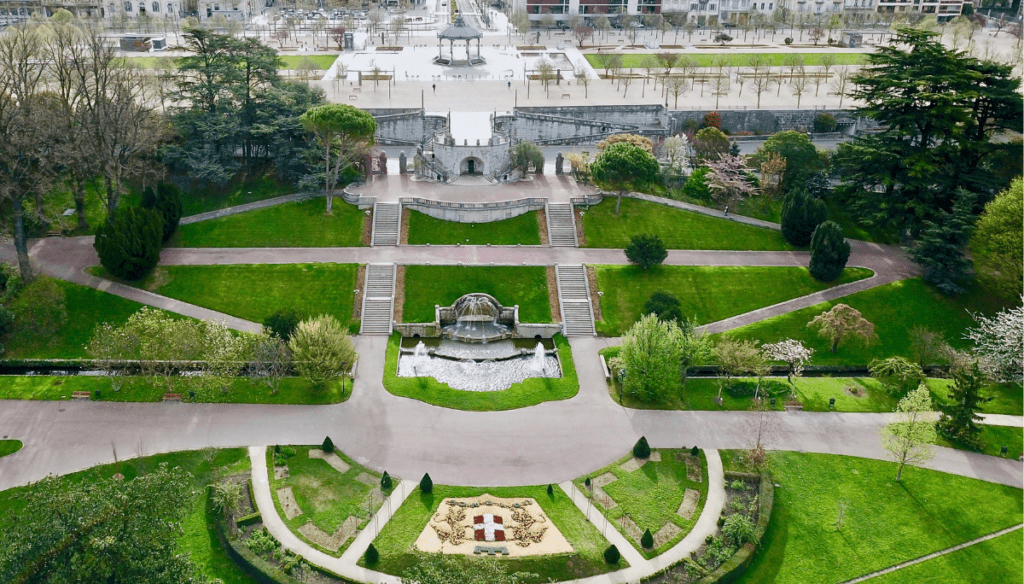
point(371, 556)
point(665, 306)
point(612, 555)
point(129, 242)
point(696, 186)
point(801, 215)
point(328, 445)
point(646, 250)
point(283, 322)
point(824, 122)
point(642, 449)
point(426, 485)
point(829, 252)
point(647, 540)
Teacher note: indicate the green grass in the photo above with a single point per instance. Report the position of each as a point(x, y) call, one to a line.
point(993, 438)
point(528, 393)
point(995, 560)
point(294, 390)
point(679, 229)
point(886, 522)
point(254, 292)
point(8, 447)
point(769, 209)
point(707, 294)
point(396, 539)
point(257, 188)
point(301, 224)
point(326, 497)
point(323, 62)
point(199, 539)
point(426, 229)
point(734, 59)
point(651, 495)
point(86, 308)
point(426, 286)
point(895, 309)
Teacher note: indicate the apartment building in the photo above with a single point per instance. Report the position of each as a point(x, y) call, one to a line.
point(942, 10)
point(562, 9)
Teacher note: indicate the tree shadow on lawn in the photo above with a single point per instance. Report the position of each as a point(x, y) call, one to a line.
point(427, 500)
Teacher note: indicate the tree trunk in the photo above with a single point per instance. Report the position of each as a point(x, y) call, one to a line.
point(618, 201)
point(899, 471)
point(835, 343)
point(21, 244)
point(78, 191)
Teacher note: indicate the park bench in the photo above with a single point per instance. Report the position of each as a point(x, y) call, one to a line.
point(81, 395)
point(172, 397)
point(794, 406)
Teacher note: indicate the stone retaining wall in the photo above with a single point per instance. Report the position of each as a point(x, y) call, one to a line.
point(473, 212)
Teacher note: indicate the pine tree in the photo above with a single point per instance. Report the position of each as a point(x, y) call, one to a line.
point(328, 445)
point(385, 481)
point(641, 449)
point(165, 201)
point(426, 485)
point(959, 418)
point(940, 249)
point(801, 215)
point(129, 242)
point(829, 252)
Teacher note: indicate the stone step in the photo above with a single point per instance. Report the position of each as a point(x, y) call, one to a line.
point(387, 220)
point(574, 300)
point(378, 299)
point(561, 225)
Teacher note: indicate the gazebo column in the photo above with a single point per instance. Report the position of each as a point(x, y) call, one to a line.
point(451, 51)
point(478, 48)
point(469, 57)
point(440, 49)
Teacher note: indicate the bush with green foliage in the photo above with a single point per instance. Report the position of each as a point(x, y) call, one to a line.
point(129, 242)
point(551, 489)
point(829, 252)
point(526, 154)
point(647, 539)
point(612, 555)
point(260, 542)
point(696, 186)
point(646, 250)
point(738, 529)
point(665, 306)
point(897, 375)
point(802, 158)
point(711, 120)
point(695, 451)
point(372, 556)
point(997, 241)
point(284, 322)
point(385, 482)
point(166, 202)
point(824, 122)
point(959, 419)
point(650, 356)
point(710, 144)
point(40, 308)
point(322, 350)
point(801, 215)
point(642, 449)
point(328, 445)
point(426, 485)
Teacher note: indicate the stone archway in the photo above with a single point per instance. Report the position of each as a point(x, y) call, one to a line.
point(471, 165)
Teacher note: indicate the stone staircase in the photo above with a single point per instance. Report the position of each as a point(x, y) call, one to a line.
point(387, 219)
point(574, 299)
point(378, 299)
point(561, 225)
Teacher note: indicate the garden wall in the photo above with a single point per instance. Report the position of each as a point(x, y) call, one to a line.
point(473, 212)
point(770, 121)
point(409, 127)
point(733, 569)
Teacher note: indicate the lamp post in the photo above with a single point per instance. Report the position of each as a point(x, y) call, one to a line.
point(622, 383)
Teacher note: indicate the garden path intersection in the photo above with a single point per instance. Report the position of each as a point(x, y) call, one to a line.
point(553, 442)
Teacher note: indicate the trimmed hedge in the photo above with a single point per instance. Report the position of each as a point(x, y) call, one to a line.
point(736, 566)
point(249, 519)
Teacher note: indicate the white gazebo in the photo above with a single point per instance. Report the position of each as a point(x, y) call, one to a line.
point(459, 31)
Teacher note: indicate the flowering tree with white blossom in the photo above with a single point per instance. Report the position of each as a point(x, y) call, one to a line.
point(791, 352)
point(728, 178)
point(999, 342)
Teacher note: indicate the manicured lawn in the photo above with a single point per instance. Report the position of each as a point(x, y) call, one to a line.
point(679, 229)
point(522, 229)
point(199, 539)
point(396, 539)
point(528, 393)
point(995, 560)
point(651, 495)
point(86, 308)
point(895, 309)
point(885, 522)
point(294, 390)
point(426, 286)
point(768, 209)
point(301, 224)
point(293, 61)
point(734, 59)
point(707, 294)
point(9, 447)
point(195, 201)
point(993, 438)
point(254, 292)
point(326, 497)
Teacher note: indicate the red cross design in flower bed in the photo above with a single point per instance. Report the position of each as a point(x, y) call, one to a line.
point(488, 527)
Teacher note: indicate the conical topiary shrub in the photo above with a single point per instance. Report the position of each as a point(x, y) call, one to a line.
point(647, 540)
point(611, 555)
point(385, 481)
point(371, 556)
point(695, 451)
point(426, 485)
point(328, 445)
point(642, 449)
point(551, 489)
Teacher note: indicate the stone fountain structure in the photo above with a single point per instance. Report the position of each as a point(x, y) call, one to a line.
point(478, 318)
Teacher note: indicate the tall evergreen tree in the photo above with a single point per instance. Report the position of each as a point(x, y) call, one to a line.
point(960, 416)
point(801, 215)
point(940, 248)
point(829, 252)
point(129, 242)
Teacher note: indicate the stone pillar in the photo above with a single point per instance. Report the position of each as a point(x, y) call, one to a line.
point(558, 163)
point(402, 163)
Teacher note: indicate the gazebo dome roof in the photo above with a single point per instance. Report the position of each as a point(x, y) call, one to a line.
point(459, 31)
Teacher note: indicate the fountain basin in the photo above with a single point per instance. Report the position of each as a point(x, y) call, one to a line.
point(479, 367)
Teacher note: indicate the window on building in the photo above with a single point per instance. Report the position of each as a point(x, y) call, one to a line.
point(127, 6)
point(693, 8)
point(170, 8)
point(156, 7)
point(216, 6)
point(712, 8)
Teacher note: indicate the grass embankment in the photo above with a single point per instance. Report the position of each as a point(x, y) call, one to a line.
point(254, 292)
point(8, 447)
point(651, 495)
point(199, 539)
point(293, 390)
point(885, 523)
point(770, 209)
point(300, 224)
point(597, 60)
point(895, 309)
point(995, 560)
point(425, 229)
point(198, 200)
point(679, 229)
point(396, 539)
point(284, 61)
point(707, 294)
point(426, 286)
point(326, 497)
point(530, 392)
